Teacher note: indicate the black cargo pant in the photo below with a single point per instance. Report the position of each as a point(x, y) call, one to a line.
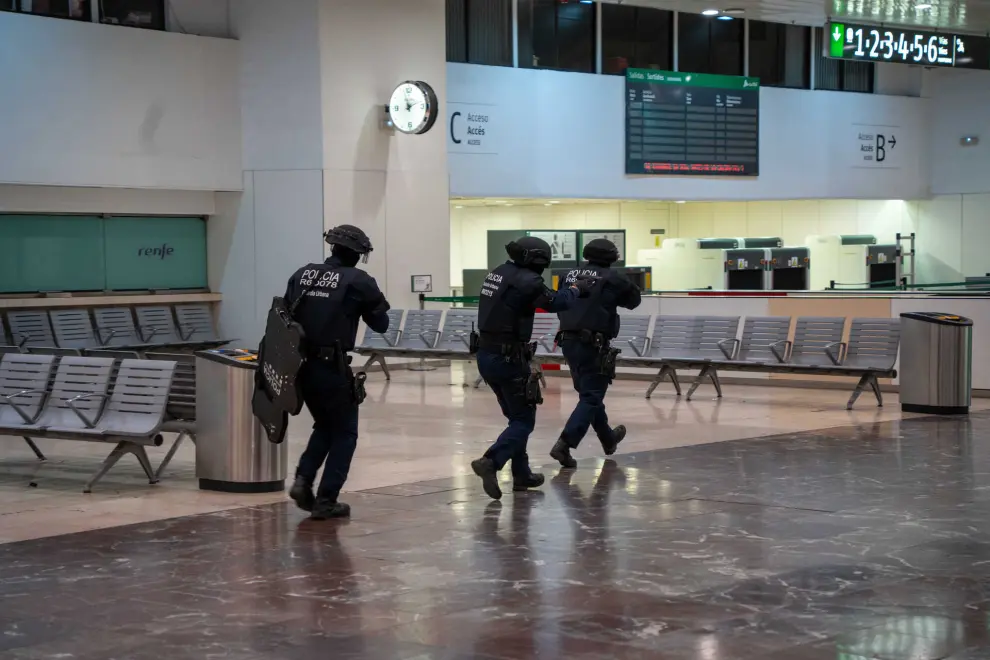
point(329, 396)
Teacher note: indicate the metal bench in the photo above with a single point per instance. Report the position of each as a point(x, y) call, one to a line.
point(454, 340)
point(79, 408)
point(634, 334)
point(115, 329)
point(29, 328)
point(814, 338)
point(686, 342)
point(73, 329)
point(374, 343)
point(196, 325)
point(180, 409)
point(157, 327)
point(23, 389)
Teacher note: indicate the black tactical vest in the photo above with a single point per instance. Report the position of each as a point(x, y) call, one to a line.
point(325, 312)
point(596, 312)
point(496, 320)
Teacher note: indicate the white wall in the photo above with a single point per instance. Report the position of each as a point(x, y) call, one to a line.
point(558, 134)
point(98, 105)
point(393, 186)
point(113, 201)
point(953, 230)
point(962, 98)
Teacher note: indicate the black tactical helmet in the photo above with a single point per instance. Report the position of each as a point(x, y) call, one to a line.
point(350, 237)
point(601, 251)
point(530, 252)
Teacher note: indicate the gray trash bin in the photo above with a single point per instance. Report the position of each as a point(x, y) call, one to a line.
point(233, 453)
point(936, 373)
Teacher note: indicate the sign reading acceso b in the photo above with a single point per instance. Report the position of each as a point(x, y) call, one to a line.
point(692, 124)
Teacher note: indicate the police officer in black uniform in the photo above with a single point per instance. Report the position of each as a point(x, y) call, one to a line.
point(335, 296)
point(586, 331)
point(510, 296)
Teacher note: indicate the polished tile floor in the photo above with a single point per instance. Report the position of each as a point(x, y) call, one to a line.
point(868, 540)
point(421, 426)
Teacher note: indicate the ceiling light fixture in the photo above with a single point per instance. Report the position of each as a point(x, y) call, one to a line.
point(679, 202)
point(725, 18)
point(923, 6)
point(710, 12)
point(554, 202)
point(458, 207)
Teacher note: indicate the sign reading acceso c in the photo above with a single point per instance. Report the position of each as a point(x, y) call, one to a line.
point(469, 128)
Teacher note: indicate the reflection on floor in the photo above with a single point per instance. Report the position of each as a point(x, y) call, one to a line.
point(858, 542)
point(421, 426)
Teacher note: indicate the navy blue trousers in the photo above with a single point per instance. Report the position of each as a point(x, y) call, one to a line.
point(591, 385)
point(508, 381)
point(328, 395)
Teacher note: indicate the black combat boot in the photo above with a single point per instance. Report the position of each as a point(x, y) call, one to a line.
point(485, 468)
point(561, 453)
point(326, 508)
point(533, 480)
point(618, 433)
point(302, 493)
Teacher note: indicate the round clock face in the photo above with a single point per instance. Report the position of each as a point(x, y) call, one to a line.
point(413, 107)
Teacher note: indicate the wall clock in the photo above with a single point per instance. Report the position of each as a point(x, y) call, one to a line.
point(413, 107)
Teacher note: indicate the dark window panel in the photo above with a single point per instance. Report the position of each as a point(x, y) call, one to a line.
point(74, 9)
point(457, 30)
point(489, 31)
point(557, 35)
point(479, 31)
point(841, 75)
point(149, 14)
point(636, 37)
point(708, 45)
point(779, 54)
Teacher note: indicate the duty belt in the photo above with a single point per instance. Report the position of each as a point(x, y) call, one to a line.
point(513, 350)
point(332, 354)
point(597, 339)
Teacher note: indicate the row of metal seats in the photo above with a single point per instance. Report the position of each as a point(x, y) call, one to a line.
point(130, 402)
point(669, 343)
point(75, 331)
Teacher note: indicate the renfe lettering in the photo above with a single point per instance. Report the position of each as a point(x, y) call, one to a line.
point(165, 250)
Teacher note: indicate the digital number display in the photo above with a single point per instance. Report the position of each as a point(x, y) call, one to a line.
point(887, 44)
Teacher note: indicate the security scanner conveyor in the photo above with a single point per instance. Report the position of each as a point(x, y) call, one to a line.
point(789, 269)
point(746, 269)
point(839, 260)
point(884, 265)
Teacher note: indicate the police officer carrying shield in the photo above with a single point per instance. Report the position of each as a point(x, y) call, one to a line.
point(510, 296)
point(586, 331)
point(335, 296)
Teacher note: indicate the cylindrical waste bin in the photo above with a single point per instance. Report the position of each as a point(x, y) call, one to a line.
point(233, 453)
point(936, 373)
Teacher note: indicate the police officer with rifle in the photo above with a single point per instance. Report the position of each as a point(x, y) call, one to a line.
point(332, 297)
point(510, 296)
point(586, 331)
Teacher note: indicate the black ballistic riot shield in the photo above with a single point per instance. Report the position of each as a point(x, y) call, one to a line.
point(280, 358)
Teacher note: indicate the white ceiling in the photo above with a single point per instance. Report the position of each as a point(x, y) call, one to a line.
point(959, 15)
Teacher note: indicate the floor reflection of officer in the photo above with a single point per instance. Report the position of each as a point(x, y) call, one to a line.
point(592, 541)
point(337, 296)
point(510, 296)
point(586, 332)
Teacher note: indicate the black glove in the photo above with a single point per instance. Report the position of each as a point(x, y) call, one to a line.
point(584, 284)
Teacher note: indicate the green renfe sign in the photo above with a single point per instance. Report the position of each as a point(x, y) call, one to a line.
point(654, 77)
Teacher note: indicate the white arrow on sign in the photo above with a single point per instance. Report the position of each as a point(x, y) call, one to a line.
point(836, 34)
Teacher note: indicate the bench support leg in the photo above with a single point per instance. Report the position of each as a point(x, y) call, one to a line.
point(711, 373)
point(171, 453)
point(478, 382)
point(380, 359)
point(34, 448)
point(665, 370)
point(864, 380)
point(123, 447)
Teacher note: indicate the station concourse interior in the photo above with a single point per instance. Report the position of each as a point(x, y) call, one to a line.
point(168, 164)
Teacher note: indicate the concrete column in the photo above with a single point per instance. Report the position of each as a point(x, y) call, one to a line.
point(392, 185)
